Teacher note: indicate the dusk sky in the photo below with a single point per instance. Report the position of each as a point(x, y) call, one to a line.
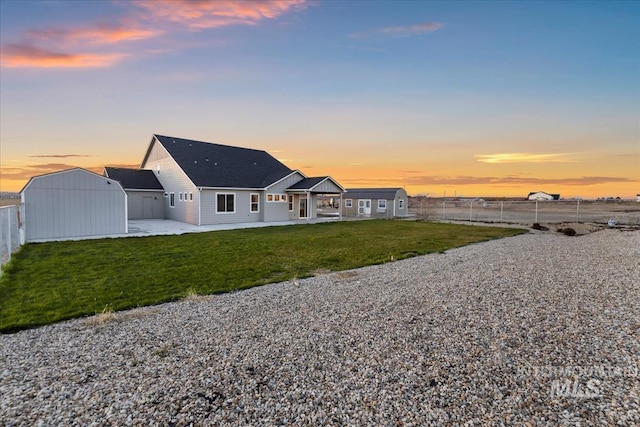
point(467, 98)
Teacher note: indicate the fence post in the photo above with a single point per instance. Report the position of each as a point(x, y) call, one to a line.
point(578, 211)
point(501, 209)
point(536, 220)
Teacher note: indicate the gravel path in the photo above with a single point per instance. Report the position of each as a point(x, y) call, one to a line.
point(538, 329)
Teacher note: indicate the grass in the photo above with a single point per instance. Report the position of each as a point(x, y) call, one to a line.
point(49, 282)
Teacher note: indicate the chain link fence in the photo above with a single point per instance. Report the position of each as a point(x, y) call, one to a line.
point(527, 212)
point(9, 232)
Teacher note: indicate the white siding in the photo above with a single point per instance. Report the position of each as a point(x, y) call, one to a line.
point(73, 203)
point(327, 187)
point(242, 207)
point(174, 180)
point(279, 211)
point(145, 205)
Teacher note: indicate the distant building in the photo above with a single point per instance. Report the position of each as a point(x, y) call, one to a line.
point(638, 198)
point(541, 195)
point(375, 202)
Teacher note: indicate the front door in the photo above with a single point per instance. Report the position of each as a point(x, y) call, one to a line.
point(303, 206)
point(364, 207)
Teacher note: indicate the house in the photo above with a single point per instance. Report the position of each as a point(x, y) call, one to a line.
point(205, 183)
point(375, 202)
point(72, 203)
point(144, 192)
point(638, 198)
point(541, 195)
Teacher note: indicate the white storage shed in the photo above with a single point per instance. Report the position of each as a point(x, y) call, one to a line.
point(73, 203)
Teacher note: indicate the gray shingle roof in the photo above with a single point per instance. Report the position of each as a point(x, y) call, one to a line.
point(134, 179)
point(307, 183)
point(371, 193)
point(224, 166)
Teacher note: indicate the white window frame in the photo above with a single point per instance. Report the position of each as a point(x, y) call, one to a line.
point(180, 196)
point(226, 203)
point(277, 198)
point(400, 203)
point(190, 196)
point(382, 205)
point(348, 203)
point(257, 203)
point(172, 200)
point(290, 200)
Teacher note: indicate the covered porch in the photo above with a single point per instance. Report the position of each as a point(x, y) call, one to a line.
point(306, 194)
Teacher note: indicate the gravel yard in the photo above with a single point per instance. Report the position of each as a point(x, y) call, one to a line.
point(540, 328)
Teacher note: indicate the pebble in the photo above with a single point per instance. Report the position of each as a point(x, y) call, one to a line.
point(537, 329)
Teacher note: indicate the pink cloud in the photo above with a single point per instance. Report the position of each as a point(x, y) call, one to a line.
point(97, 34)
point(25, 55)
point(201, 14)
point(75, 47)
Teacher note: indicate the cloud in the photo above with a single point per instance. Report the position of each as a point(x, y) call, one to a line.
point(26, 172)
point(62, 156)
point(461, 180)
point(513, 180)
point(25, 55)
point(79, 47)
point(100, 33)
point(525, 158)
point(401, 31)
point(201, 14)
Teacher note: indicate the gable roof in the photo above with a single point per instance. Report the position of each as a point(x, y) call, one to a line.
point(108, 180)
point(371, 193)
point(222, 166)
point(314, 183)
point(134, 179)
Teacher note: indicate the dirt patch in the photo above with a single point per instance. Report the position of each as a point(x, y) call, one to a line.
point(580, 228)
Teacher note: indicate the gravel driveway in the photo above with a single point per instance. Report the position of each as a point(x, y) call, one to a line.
point(540, 328)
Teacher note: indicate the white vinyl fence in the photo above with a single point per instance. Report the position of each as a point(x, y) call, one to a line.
point(528, 212)
point(9, 232)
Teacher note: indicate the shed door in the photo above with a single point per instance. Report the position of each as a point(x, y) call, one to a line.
point(364, 207)
point(147, 207)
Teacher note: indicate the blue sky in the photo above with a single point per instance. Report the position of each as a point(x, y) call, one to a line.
point(481, 98)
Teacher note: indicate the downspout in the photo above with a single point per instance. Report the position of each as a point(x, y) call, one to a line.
point(340, 212)
point(309, 204)
point(199, 206)
point(394, 207)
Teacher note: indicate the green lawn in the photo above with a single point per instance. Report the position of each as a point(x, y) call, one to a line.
point(48, 282)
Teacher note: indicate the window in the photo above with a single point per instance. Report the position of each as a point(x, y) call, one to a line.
point(191, 197)
point(172, 200)
point(290, 202)
point(348, 203)
point(281, 198)
point(180, 196)
point(255, 202)
point(382, 205)
point(225, 202)
point(400, 203)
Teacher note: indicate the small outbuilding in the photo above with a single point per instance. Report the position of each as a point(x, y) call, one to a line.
point(144, 192)
point(375, 202)
point(73, 203)
point(541, 195)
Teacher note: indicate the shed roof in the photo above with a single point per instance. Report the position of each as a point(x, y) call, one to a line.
point(222, 166)
point(134, 179)
point(371, 193)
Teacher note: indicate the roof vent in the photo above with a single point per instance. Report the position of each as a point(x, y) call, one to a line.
point(190, 145)
point(195, 161)
point(216, 163)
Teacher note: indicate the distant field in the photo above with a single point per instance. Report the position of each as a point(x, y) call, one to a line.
point(524, 212)
point(48, 282)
